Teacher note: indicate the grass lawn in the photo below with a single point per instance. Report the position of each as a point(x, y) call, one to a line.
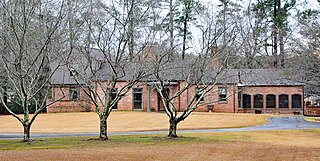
point(312, 119)
point(128, 121)
point(258, 145)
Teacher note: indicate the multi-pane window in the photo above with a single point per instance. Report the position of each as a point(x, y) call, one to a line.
point(74, 93)
point(50, 92)
point(137, 98)
point(258, 101)
point(283, 101)
point(112, 95)
point(222, 94)
point(271, 101)
point(246, 102)
point(199, 94)
point(296, 101)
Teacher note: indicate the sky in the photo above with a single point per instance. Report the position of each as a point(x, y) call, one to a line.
point(312, 3)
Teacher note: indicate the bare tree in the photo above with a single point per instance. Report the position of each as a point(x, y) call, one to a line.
point(306, 50)
point(177, 78)
point(120, 69)
point(28, 45)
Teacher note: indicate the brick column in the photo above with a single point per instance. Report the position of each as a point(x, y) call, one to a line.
point(252, 102)
point(264, 103)
point(148, 98)
point(277, 103)
point(290, 102)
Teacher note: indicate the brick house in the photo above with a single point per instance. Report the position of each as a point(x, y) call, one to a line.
point(237, 90)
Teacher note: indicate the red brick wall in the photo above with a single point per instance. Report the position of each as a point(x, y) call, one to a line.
point(275, 90)
point(210, 99)
point(312, 111)
point(231, 105)
point(60, 101)
point(126, 102)
point(153, 99)
point(69, 106)
point(66, 105)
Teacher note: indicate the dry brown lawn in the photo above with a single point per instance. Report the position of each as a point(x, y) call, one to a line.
point(312, 119)
point(128, 121)
point(246, 146)
point(246, 151)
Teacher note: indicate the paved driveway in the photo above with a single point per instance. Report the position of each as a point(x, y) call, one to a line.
point(275, 123)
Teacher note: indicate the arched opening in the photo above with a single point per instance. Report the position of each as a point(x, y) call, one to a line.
point(283, 101)
point(296, 101)
point(246, 103)
point(258, 101)
point(271, 101)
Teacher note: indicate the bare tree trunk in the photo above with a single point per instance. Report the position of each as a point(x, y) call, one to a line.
point(281, 43)
point(131, 40)
point(26, 132)
point(185, 32)
point(171, 30)
point(275, 36)
point(249, 57)
point(70, 24)
point(103, 127)
point(173, 129)
point(131, 29)
point(225, 3)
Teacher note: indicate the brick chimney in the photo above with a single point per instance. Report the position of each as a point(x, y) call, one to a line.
point(149, 52)
point(214, 58)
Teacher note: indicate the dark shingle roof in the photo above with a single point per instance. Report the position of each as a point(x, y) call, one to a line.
point(260, 77)
point(178, 71)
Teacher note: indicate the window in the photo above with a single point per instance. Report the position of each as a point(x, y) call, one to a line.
point(246, 103)
point(74, 68)
point(112, 96)
point(283, 101)
point(296, 101)
point(74, 93)
point(199, 93)
point(258, 101)
point(137, 98)
point(50, 92)
point(222, 94)
point(271, 101)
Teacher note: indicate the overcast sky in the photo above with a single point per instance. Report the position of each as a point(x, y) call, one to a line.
point(312, 3)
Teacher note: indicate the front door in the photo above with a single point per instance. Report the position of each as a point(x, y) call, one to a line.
point(166, 92)
point(137, 99)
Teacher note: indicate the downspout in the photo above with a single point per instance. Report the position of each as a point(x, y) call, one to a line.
point(179, 97)
point(187, 96)
point(303, 103)
point(148, 100)
point(234, 99)
point(236, 92)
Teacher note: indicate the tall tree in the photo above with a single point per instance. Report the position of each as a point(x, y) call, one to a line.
point(306, 47)
point(28, 42)
point(277, 11)
point(190, 7)
point(219, 29)
point(194, 77)
point(121, 69)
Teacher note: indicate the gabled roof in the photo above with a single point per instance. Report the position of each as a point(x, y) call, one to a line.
point(261, 77)
point(177, 71)
point(169, 71)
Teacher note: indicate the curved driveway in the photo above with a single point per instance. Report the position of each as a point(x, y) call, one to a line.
point(275, 123)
